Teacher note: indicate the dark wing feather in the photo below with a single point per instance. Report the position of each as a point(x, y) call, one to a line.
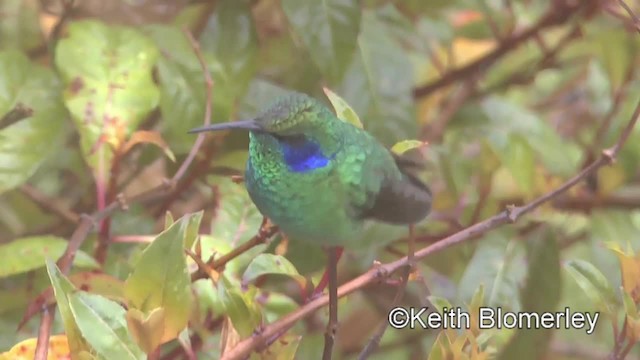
point(403, 201)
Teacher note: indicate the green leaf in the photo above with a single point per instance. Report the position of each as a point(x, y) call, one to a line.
point(440, 303)
point(271, 264)
point(240, 306)
point(496, 265)
point(19, 26)
point(540, 294)
point(146, 330)
point(26, 254)
point(26, 144)
point(519, 159)
point(616, 48)
point(594, 284)
point(183, 89)
point(161, 278)
point(344, 112)
point(379, 81)
point(560, 156)
point(107, 71)
point(103, 325)
point(231, 36)
point(237, 218)
point(630, 308)
point(328, 29)
point(403, 146)
point(63, 289)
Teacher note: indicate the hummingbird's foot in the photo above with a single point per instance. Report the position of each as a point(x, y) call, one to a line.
point(258, 331)
point(381, 272)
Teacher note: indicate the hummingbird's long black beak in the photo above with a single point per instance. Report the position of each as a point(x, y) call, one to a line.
point(240, 124)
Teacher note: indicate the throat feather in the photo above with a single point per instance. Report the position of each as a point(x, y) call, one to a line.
point(303, 156)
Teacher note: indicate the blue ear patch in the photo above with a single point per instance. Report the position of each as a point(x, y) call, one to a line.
point(303, 156)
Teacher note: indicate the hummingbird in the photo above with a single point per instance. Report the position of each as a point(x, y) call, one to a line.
point(319, 178)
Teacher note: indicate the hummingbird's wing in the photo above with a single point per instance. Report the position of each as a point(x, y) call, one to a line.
point(402, 197)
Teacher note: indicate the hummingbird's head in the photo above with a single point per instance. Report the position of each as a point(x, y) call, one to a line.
point(294, 114)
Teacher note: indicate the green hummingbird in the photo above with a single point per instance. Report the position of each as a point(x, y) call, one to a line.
point(320, 178)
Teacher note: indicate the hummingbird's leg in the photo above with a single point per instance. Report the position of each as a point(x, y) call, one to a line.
point(332, 325)
point(325, 276)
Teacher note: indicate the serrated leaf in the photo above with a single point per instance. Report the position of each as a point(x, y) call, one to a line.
point(343, 111)
point(403, 146)
point(62, 289)
point(272, 264)
point(594, 284)
point(379, 82)
point(26, 254)
point(25, 145)
point(109, 85)
point(103, 325)
point(335, 25)
point(161, 278)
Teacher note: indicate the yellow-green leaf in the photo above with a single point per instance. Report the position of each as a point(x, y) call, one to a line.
point(26, 254)
point(344, 112)
point(403, 146)
point(161, 279)
point(103, 325)
point(62, 289)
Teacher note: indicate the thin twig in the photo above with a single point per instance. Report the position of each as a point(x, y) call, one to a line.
point(332, 324)
point(19, 112)
point(265, 233)
point(42, 350)
point(200, 138)
point(207, 110)
point(48, 204)
point(244, 348)
point(634, 17)
point(558, 14)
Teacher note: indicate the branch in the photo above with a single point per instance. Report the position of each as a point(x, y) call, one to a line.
point(87, 222)
point(557, 14)
point(244, 348)
point(48, 204)
point(19, 112)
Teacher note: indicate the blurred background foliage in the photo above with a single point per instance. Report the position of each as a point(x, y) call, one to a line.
point(513, 96)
